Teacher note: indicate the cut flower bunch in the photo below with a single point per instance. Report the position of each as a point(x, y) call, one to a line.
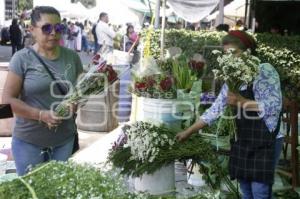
point(93, 82)
point(236, 70)
point(145, 141)
point(143, 148)
point(134, 155)
point(157, 86)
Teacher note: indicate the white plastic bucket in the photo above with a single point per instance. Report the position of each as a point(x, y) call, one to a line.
point(169, 112)
point(194, 177)
point(3, 162)
point(121, 57)
point(160, 182)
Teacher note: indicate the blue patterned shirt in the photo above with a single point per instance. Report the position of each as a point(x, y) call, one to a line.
point(267, 92)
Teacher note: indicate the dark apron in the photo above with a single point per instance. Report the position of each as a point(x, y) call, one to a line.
point(252, 155)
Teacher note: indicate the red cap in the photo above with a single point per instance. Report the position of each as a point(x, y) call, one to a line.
point(245, 39)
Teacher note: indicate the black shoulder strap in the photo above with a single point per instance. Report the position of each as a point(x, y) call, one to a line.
point(61, 90)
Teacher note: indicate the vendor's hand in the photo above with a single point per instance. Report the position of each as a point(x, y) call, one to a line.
point(235, 99)
point(49, 118)
point(182, 136)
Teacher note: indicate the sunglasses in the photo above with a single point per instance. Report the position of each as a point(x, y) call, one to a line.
point(48, 28)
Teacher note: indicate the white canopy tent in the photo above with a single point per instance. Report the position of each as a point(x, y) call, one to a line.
point(192, 10)
point(76, 10)
point(66, 8)
point(234, 9)
point(118, 12)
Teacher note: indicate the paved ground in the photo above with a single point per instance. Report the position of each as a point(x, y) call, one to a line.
point(5, 53)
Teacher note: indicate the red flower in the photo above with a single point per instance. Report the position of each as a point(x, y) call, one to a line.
point(96, 58)
point(140, 86)
point(166, 84)
point(109, 71)
point(150, 82)
point(102, 67)
point(196, 65)
point(112, 75)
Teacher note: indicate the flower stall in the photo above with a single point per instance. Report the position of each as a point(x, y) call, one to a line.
point(167, 96)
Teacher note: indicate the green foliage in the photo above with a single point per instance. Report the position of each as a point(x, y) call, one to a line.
point(184, 78)
point(70, 180)
point(64, 180)
point(25, 5)
point(283, 52)
point(277, 41)
point(189, 41)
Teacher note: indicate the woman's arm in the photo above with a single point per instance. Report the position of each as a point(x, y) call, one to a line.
point(208, 117)
point(12, 90)
point(184, 135)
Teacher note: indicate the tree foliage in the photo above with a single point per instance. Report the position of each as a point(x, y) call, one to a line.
point(24, 5)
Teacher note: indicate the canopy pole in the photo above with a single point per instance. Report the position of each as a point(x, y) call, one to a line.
point(157, 14)
point(221, 12)
point(163, 26)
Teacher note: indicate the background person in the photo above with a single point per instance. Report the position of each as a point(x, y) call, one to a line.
point(105, 34)
point(15, 36)
point(130, 38)
point(28, 89)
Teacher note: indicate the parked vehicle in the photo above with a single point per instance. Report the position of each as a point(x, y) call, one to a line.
point(5, 38)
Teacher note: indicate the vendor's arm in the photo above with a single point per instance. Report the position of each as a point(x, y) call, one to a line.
point(267, 93)
point(208, 117)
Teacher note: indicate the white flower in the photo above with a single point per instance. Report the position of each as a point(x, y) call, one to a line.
point(145, 141)
point(215, 52)
point(237, 69)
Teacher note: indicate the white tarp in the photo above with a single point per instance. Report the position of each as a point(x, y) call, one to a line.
point(118, 12)
point(66, 8)
point(234, 9)
point(136, 5)
point(193, 10)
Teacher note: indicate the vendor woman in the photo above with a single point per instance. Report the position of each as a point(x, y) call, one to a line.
point(256, 149)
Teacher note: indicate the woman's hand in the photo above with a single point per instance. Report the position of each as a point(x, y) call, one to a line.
point(235, 99)
point(49, 118)
point(73, 108)
point(182, 136)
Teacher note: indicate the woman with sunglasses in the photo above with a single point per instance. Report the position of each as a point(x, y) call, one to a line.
point(39, 135)
point(256, 150)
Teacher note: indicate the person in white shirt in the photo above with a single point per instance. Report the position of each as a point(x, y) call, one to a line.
point(105, 34)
